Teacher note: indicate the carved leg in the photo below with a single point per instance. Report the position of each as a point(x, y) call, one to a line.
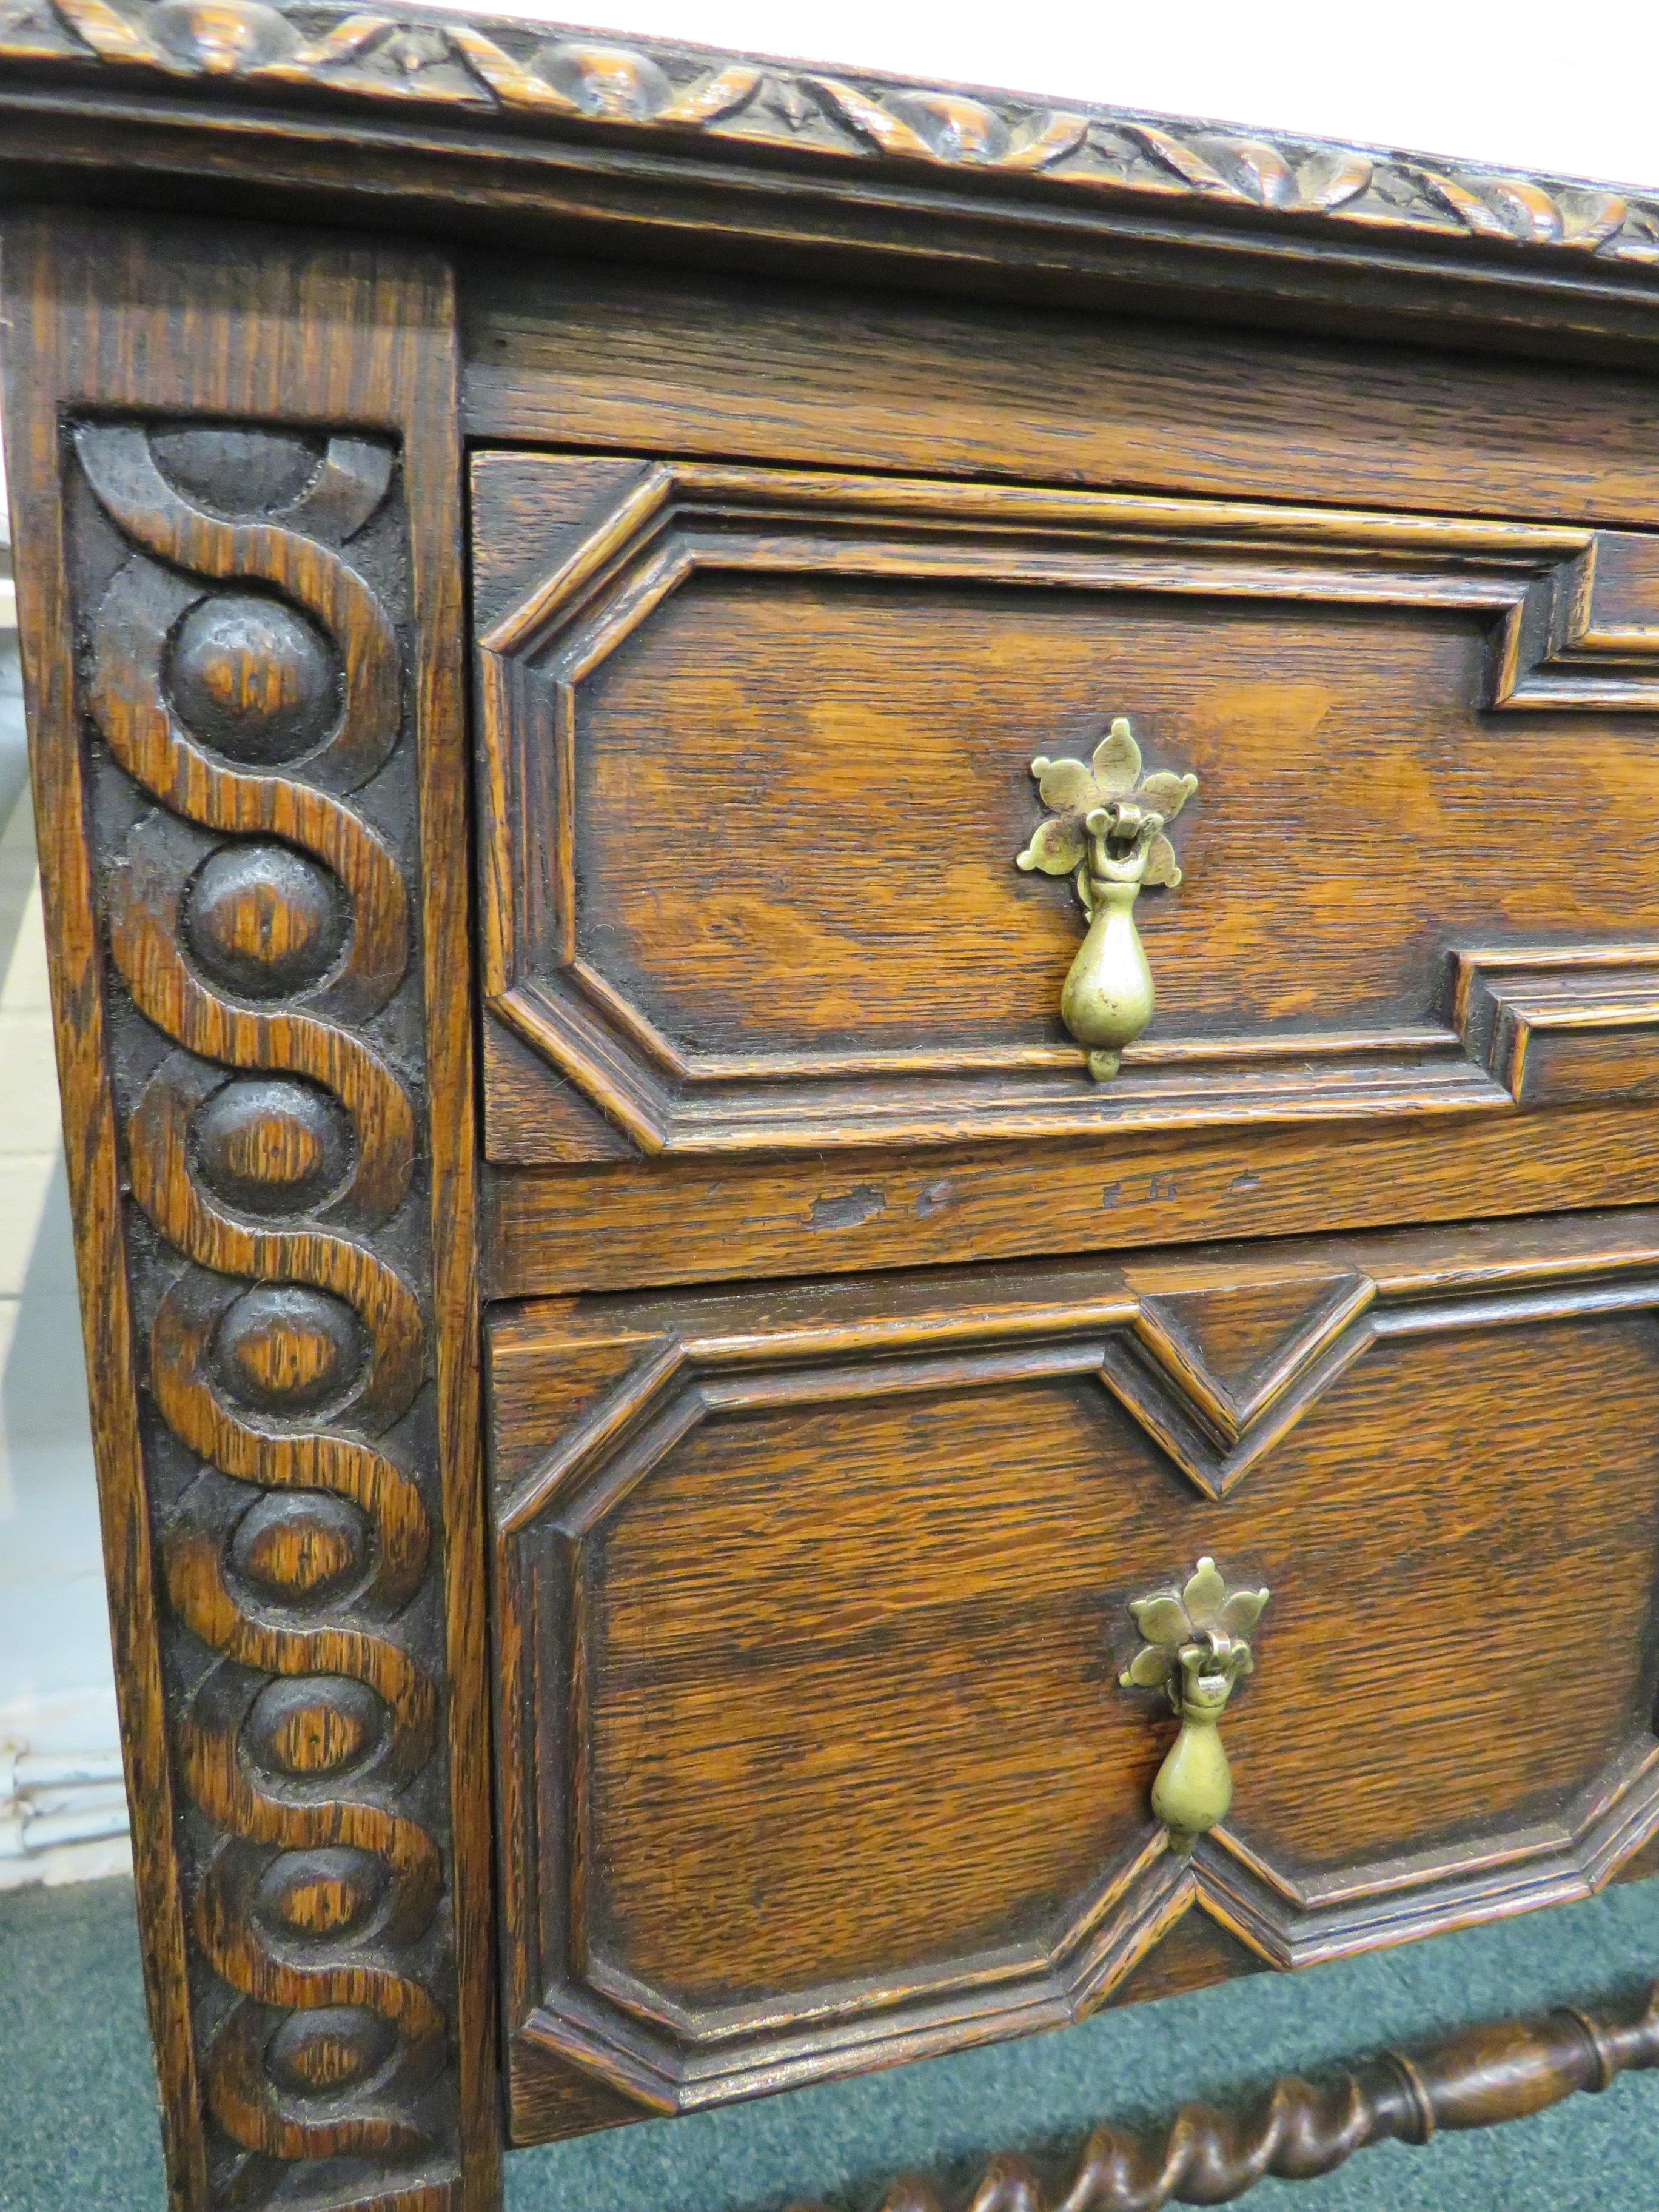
point(235, 481)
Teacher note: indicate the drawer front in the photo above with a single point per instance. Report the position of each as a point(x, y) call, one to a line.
point(814, 1604)
point(767, 867)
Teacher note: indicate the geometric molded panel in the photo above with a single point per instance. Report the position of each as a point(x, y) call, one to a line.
point(1242, 1344)
point(1218, 1375)
point(786, 1608)
point(756, 750)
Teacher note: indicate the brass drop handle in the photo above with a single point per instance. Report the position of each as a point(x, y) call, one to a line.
point(1106, 831)
point(1197, 1647)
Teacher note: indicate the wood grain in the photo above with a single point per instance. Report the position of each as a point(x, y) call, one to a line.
point(231, 593)
point(438, 124)
point(825, 684)
point(91, 1142)
point(816, 1597)
point(605, 1228)
point(1297, 2130)
point(840, 444)
point(1071, 158)
point(846, 378)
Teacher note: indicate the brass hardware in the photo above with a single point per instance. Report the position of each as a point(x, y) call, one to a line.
point(1107, 828)
point(1197, 1647)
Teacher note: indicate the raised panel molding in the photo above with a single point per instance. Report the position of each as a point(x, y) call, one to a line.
point(1215, 1419)
point(1552, 1026)
point(544, 562)
point(1572, 622)
point(1217, 1358)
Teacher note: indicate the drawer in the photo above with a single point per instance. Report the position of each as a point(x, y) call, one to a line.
point(768, 867)
point(813, 1604)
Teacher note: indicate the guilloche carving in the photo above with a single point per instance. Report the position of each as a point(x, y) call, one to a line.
point(245, 673)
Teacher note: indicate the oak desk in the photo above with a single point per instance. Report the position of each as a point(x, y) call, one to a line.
point(853, 895)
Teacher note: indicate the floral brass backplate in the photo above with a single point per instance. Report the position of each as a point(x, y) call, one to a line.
point(1197, 1647)
point(1108, 830)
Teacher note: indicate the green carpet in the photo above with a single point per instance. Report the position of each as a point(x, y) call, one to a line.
point(78, 2101)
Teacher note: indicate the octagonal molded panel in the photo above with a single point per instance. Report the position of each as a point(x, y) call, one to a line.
point(756, 767)
point(814, 1604)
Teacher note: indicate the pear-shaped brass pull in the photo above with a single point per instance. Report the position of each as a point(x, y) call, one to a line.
point(1107, 829)
point(1197, 1647)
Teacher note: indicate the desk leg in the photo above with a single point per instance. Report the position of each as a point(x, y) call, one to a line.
point(236, 484)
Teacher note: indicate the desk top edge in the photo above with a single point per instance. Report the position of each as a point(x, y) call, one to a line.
point(553, 120)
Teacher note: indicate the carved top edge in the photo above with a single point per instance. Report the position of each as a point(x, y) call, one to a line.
point(380, 59)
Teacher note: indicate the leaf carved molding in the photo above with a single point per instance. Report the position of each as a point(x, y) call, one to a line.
point(426, 60)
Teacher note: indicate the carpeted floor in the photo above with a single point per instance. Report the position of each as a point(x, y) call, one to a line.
point(77, 2102)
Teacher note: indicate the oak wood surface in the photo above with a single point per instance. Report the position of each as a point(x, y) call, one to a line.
point(303, 1457)
point(608, 1227)
point(827, 685)
point(813, 1600)
point(579, 354)
point(525, 131)
point(91, 1142)
point(957, 414)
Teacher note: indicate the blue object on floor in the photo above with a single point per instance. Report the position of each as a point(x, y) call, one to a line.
point(77, 2098)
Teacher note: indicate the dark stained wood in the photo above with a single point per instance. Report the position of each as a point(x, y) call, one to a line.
point(93, 1144)
point(1197, 1953)
point(1297, 2130)
point(814, 1599)
point(604, 1228)
point(681, 152)
point(432, 479)
point(298, 1471)
point(837, 445)
point(589, 356)
point(471, 64)
point(827, 685)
